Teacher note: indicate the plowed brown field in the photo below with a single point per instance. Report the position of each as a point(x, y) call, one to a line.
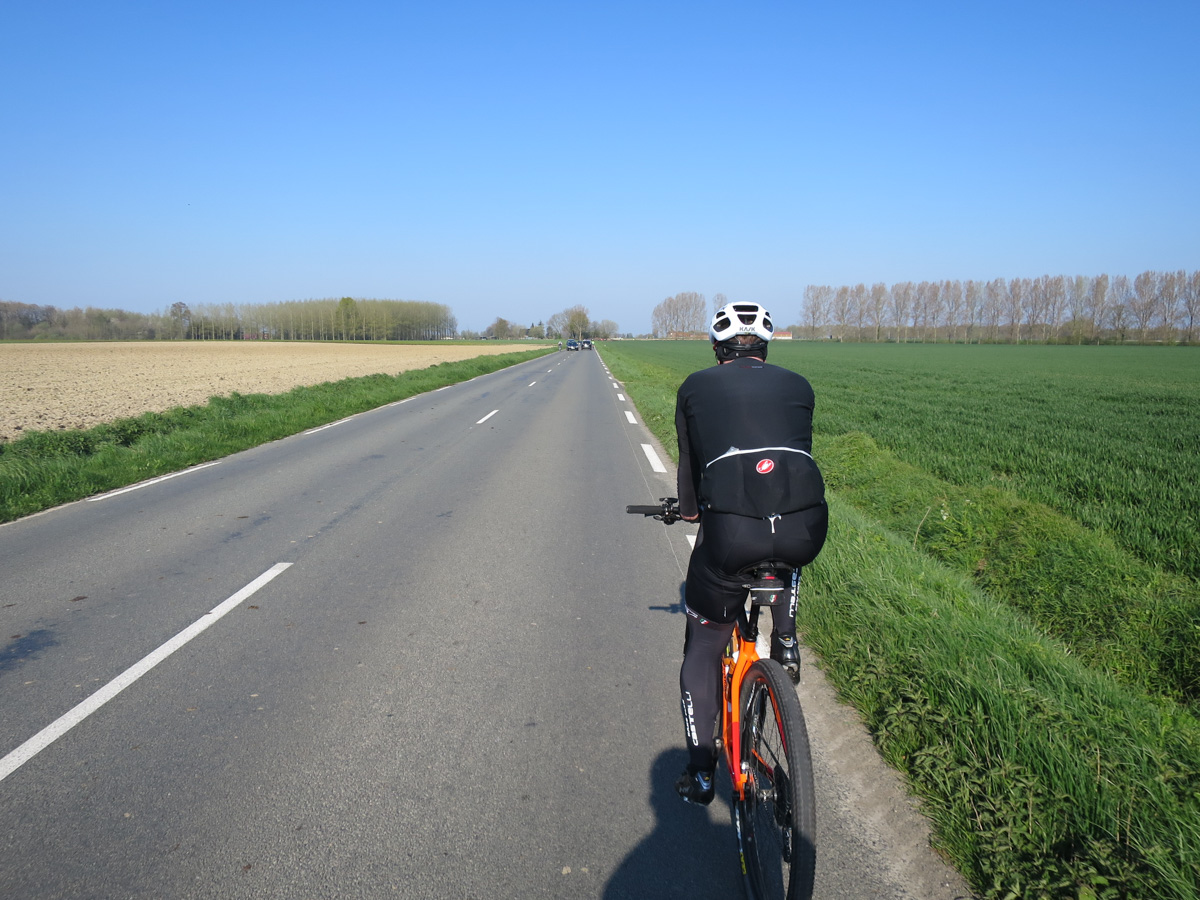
point(56, 386)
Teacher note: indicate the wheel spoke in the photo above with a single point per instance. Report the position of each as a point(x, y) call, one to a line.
point(775, 820)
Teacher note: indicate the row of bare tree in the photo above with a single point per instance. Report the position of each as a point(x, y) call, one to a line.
point(345, 319)
point(1154, 306)
point(684, 314)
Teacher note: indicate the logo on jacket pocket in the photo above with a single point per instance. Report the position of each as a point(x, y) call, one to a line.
point(765, 466)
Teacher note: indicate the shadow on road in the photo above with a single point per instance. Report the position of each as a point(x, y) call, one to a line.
point(692, 851)
point(674, 607)
point(22, 647)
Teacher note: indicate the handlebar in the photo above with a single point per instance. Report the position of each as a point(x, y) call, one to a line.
point(666, 512)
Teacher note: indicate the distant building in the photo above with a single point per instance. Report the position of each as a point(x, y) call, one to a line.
point(781, 336)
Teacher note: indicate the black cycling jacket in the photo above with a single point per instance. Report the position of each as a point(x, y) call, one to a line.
point(745, 441)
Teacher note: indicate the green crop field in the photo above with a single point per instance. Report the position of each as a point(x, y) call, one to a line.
point(1009, 593)
point(1107, 435)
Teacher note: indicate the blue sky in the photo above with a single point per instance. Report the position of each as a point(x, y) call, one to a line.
point(513, 159)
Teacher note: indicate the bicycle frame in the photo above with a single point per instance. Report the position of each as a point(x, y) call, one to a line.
point(739, 656)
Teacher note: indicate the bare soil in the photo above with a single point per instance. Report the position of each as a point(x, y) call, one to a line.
point(49, 387)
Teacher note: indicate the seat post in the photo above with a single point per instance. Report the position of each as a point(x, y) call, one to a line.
point(748, 622)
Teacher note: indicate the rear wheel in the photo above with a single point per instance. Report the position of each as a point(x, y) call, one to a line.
point(776, 822)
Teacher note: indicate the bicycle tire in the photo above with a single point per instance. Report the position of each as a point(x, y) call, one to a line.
point(776, 822)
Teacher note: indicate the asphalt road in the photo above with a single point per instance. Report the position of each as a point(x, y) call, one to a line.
point(422, 652)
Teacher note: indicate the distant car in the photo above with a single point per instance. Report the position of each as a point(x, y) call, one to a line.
point(572, 344)
point(586, 345)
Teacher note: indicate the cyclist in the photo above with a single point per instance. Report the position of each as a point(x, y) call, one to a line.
point(746, 473)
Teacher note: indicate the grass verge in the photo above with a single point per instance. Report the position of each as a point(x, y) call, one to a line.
point(1044, 778)
point(46, 468)
point(1115, 611)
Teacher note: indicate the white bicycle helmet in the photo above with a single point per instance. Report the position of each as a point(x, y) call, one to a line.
point(733, 319)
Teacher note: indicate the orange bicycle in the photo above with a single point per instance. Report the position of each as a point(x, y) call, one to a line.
point(764, 743)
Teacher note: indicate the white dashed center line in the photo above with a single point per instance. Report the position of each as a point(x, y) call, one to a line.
point(655, 462)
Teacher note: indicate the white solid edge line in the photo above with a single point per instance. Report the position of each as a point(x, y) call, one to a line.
point(66, 722)
point(150, 481)
point(488, 416)
point(629, 416)
point(655, 462)
point(323, 427)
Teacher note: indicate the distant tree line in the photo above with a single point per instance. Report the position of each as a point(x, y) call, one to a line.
point(1152, 307)
point(574, 322)
point(27, 320)
point(344, 319)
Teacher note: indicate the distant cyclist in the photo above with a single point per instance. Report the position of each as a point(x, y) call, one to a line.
point(746, 473)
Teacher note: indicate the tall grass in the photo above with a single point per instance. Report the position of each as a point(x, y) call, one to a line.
point(1044, 778)
point(44, 469)
point(1014, 664)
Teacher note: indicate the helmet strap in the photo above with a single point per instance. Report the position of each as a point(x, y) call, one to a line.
point(728, 351)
